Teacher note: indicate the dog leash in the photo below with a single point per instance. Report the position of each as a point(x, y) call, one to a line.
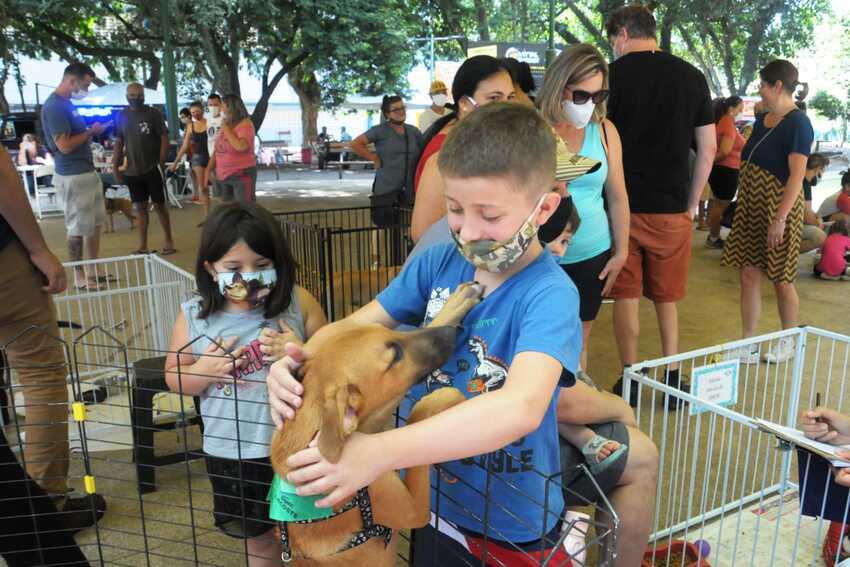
point(370, 528)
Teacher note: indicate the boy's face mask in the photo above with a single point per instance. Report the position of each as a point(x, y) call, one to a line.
point(497, 256)
point(252, 287)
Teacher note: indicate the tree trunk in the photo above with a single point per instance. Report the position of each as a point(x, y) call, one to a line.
point(154, 70)
point(303, 81)
point(481, 16)
point(4, 103)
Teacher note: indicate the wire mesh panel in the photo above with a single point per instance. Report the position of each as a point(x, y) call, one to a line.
point(344, 260)
point(729, 492)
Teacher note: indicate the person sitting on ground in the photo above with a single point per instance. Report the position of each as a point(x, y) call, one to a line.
point(813, 234)
point(833, 264)
point(837, 205)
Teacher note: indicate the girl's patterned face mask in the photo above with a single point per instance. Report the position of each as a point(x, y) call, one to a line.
point(252, 287)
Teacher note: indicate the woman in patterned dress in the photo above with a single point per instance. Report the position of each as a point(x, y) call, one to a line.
point(768, 222)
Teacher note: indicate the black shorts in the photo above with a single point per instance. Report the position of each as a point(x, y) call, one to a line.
point(148, 186)
point(240, 505)
point(724, 182)
point(585, 276)
point(579, 488)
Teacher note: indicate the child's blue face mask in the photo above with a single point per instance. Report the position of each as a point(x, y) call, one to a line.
point(252, 287)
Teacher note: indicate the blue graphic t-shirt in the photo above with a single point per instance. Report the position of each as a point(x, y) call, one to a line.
point(535, 310)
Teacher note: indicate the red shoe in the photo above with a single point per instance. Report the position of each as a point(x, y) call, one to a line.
point(832, 547)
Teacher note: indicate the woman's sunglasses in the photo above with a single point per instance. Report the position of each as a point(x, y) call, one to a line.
point(581, 97)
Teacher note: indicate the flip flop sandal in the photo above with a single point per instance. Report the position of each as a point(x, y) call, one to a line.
point(167, 251)
point(108, 278)
point(143, 252)
point(591, 449)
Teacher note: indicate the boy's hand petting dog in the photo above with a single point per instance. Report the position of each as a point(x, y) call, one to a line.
point(217, 362)
point(460, 302)
point(274, 341)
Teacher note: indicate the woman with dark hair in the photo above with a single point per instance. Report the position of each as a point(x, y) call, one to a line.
point(480, 80)
point(523, 79)
point(396, 146)
point(195, 147)
point(234, 160)
point(768, 222)
point(727, 162)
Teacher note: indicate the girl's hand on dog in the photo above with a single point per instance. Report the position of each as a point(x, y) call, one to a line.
point(216, 363)
point(284, 390)
point(274, 342)
point(358, 466)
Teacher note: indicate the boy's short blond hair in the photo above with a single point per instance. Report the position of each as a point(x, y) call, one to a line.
point(502, 139)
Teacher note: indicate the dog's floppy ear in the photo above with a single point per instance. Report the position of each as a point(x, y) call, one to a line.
point(339, 419)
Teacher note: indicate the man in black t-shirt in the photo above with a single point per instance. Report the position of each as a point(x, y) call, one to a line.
point(659, 104)
point(813, 234)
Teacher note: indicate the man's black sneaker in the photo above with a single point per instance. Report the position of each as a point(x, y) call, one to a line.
point(82, 511)
point(633, 395)
point(674, 380)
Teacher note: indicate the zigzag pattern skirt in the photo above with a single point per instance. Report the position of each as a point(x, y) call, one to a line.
point(759, 194)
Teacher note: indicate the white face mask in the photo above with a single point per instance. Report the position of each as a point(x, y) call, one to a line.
point(215, 111)
point(79, 94)
point(439, 99)
point(579, 115)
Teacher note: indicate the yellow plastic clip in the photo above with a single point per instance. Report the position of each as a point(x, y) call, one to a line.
point(79, 410)
point(88, 480)
point(715, 358)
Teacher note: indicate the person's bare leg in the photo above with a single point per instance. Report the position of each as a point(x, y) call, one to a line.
point(750, 300)
point(668, 325)
point(91, 244)
point(788, 303)
point(812, 244)
point(142, 216)
point(165, 220)
point(75, 254)
point(634, 500)
point(627, 329)
point(715, 215)
point(586, 326)
point(264, 550)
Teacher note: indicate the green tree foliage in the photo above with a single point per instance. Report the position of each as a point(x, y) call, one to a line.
point(832, 108)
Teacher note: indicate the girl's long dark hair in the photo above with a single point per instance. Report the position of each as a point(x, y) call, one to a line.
point(722, 106)
point(839, 227)
point(228, 224)
point(469, 74)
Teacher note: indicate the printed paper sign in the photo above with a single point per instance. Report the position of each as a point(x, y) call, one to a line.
point(715, 383)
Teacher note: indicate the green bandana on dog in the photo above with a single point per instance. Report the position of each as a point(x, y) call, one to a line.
point(286, 506)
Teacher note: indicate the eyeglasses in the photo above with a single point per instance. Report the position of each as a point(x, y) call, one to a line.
point(398, 109)
point(581, 97)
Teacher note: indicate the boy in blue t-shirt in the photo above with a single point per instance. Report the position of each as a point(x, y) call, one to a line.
point(498, 170)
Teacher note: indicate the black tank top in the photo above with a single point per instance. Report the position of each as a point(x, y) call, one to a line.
point(199, 143)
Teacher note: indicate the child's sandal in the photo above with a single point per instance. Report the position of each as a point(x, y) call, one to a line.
point(591, 450)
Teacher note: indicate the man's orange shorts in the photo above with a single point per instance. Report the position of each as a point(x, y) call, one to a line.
point(659, 258)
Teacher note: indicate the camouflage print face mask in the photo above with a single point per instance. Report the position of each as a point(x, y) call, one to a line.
point(497, 256)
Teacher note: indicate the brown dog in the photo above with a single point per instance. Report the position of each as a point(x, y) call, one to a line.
point(122, 206)
point(353, 381)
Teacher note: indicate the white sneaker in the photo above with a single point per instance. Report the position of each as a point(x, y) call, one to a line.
point(747, 354)
point(782, 350)
point(576, 525)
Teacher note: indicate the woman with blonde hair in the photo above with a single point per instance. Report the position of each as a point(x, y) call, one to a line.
point(572, 100)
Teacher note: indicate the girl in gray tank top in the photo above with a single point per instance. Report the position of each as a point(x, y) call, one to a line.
point(222, 345)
